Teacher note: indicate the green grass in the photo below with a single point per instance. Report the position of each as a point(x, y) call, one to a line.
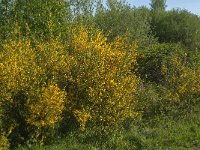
point(158, 133)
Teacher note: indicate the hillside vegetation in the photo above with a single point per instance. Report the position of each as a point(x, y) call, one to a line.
point(81, 75)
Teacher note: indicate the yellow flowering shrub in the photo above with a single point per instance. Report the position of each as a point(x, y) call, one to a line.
point(182, 79)
point(102, 83)
point(53, 59)
point(17, 68)
point(18, 76)
point(32, 94)
point(4, 143)
point(170, 79)
point(85, 76)
point(46, 111)
point(82, 117)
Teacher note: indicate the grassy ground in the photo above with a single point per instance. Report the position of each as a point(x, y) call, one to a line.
point(158, 133)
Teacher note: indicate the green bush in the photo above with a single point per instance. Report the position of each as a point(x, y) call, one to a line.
point(172, 74)
point(151, 60)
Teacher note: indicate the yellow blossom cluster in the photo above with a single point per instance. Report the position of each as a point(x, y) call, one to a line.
point(87, 76)
point(47, 110)
point(4, 143)
point(182, 79)
point(105, 85)
point(29, 84)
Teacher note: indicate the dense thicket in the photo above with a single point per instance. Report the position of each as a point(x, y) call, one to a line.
point(177, 26)
point(121, 19)
point(90, 65)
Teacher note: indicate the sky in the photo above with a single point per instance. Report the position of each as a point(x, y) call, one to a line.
point(191, 5)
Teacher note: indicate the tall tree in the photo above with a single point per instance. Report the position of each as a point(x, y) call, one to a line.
point(40, 15)
point(5, 17)
point(120, 19)
point(157, 13)
point(158, 5)
point(178, 26)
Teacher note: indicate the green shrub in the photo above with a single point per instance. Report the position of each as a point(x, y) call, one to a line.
point(174, 72)
point(151, 59)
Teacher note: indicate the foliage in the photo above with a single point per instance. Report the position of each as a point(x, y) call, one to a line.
point(135, 24)
point(5, 12)
point(156, 100)
point(153, 134)
point(82, 10)
point(102, 85)
point(182, 79)
point(151, 59)
point(75, 63)
point(177, 26)
point(41, 18)
point(86, 76)
point(171, 68)
point(29, 78)
point(4, 143)
point(47, 111)
point(158, 5)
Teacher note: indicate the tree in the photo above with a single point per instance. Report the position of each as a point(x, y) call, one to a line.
point(36, 17)
point(5, 17)
point(178, 26)
point(83, 11)
point(158, 5)
point(136, 23)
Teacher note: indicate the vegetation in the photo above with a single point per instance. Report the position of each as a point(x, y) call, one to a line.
point(81, 75)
